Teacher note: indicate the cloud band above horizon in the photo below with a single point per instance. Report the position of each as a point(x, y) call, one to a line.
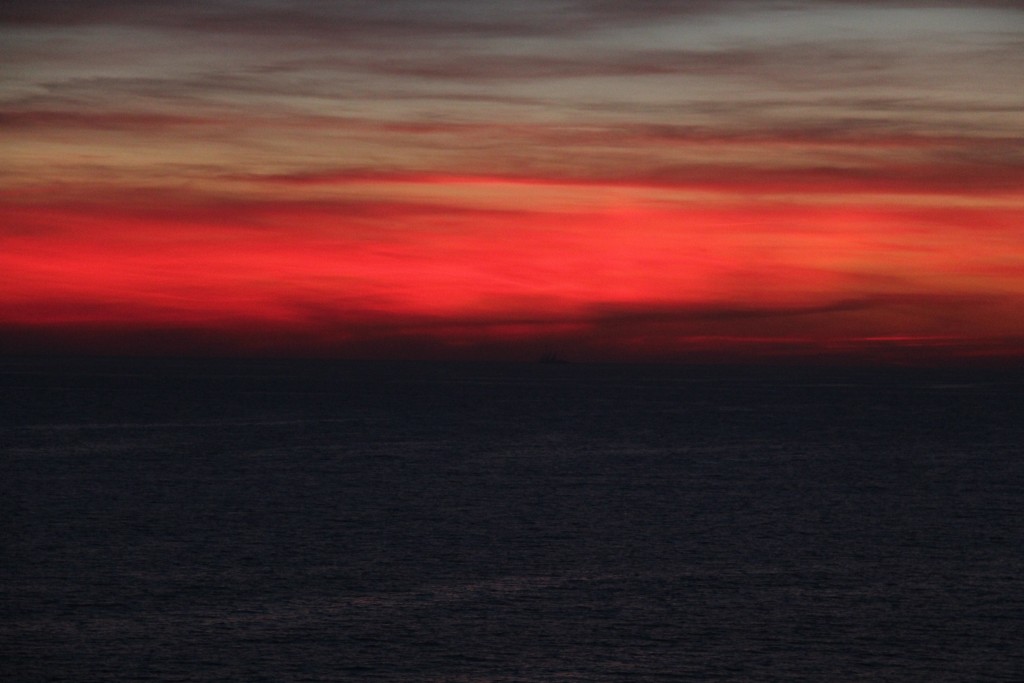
point(442, 179)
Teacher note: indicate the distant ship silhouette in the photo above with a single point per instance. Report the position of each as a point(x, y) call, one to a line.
point(552, 359)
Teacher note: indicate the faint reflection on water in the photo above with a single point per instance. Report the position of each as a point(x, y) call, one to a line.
point(463, 523)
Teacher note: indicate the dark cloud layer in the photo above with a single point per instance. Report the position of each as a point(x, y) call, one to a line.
point(354, 18)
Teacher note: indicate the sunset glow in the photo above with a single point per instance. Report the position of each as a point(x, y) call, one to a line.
point(605, 181)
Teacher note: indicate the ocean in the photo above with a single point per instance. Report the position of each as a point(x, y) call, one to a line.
point(244, 520)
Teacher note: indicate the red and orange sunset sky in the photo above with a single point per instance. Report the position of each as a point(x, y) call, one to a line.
point(634, 180)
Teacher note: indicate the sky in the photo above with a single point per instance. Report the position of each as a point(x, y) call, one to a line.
point(601, 180)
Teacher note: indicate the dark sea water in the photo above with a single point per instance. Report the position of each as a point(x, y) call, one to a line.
point(301, 521)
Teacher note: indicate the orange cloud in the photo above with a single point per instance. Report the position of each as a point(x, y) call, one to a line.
point(646, 278)
point(625, 179)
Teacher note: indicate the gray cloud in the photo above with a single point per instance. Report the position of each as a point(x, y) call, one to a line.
point(403, 18)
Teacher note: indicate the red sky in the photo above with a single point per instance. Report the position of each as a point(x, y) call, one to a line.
point(606, 181)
